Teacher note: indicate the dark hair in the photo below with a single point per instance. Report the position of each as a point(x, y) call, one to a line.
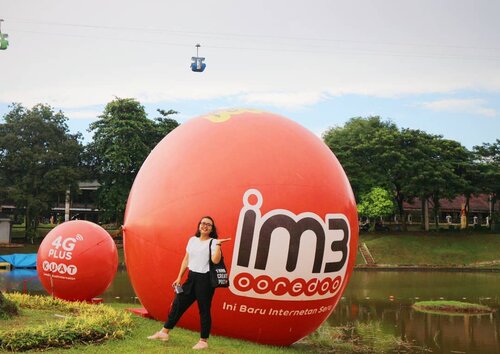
point(213, 233)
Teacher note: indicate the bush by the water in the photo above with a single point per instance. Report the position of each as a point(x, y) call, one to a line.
point(7, 308)
point(358, 338)
point(81, 323)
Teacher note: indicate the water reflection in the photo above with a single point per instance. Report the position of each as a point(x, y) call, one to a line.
point(26, 280)
point(374, 295)
point(481, 287)
point(444, 334)
point(22, 280)
point(120, 290)
point(388, 296)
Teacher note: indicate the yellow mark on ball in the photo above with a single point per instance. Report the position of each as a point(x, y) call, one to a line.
point(222, 116)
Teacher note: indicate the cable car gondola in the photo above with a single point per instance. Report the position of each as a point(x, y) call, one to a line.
point(4, 43)
point(197, 64)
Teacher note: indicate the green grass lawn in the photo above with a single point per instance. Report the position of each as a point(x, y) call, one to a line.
point(443, 249)
point(33, 317)
point(181, 340)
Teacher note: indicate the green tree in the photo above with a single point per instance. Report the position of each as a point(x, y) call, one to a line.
point(487, 157)
point(399, 159)
point(39, 159)
point(377, 203)
point(439, 165)
point(164, 124)
point(375, 153)
point(123, 138)
point(356, 147)
point(409, 163)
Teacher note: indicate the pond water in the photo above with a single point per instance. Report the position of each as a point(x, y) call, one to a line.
point(388, 296)
point(385, 296)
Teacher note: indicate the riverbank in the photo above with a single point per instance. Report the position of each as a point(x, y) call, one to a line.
point(425, 268)
point(432, 251)
point(464, 251)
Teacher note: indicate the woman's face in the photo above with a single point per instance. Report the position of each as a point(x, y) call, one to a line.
point(206, 226)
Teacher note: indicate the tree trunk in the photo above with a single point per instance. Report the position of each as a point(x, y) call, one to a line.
point(27, 222)
point(67, 204)
point(399, 202)
point(426, 214)
point(422, 213)
point(493, 219)
point(436, 217)
point(467, 200)
point(30, 224)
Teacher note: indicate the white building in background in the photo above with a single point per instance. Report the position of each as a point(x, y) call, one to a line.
point(80, 205)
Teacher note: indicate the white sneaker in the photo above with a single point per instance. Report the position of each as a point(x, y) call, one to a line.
point(159, 336)
point(201, 345)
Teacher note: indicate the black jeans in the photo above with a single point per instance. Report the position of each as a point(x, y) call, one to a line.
point(197, 287)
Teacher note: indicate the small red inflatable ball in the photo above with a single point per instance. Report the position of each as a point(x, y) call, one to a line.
point(77, 261)
point(272, 186)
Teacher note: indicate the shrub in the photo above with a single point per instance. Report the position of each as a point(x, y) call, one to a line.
point(84, 323)
point(358, 338)
point(8, 308)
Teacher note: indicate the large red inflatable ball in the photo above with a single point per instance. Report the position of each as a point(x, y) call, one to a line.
point(77, 261)
point(272, 186)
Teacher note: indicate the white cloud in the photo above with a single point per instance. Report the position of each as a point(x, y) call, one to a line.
point(474, 106)
point(82, 114)
point(287, 100)
point(488, 112)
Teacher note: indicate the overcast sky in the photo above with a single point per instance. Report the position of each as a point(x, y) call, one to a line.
point(432, 65)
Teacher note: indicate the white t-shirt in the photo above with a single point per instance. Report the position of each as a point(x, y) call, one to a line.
point(198, 254)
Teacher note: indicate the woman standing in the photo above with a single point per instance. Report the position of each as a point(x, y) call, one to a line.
point(197, 287)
